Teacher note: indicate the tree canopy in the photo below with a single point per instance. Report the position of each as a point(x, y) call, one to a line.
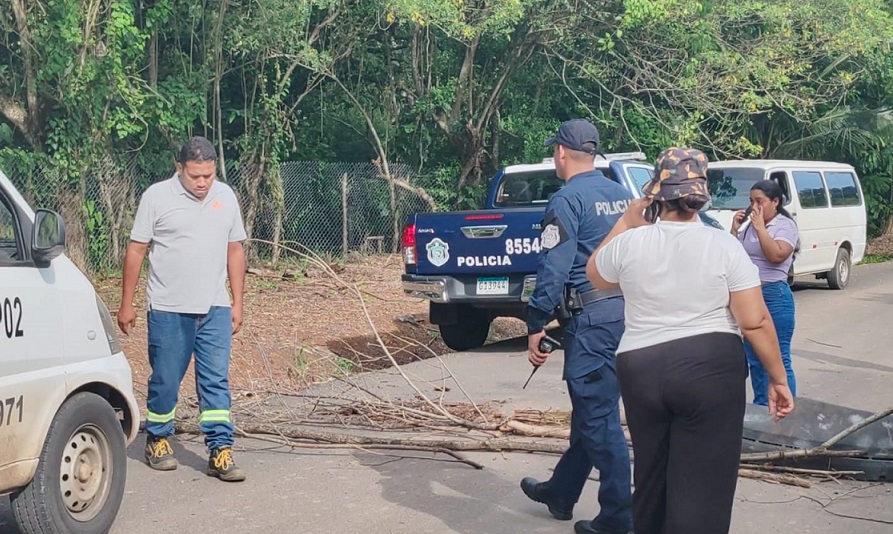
point(453, 88)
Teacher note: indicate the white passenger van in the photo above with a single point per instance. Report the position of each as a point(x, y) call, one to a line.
point(67, 410)
point(825, 199)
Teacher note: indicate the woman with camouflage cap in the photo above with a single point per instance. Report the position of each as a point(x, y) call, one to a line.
point(691, 292)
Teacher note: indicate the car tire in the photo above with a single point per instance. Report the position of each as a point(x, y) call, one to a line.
point(465, 335)
point(839, 276)
point(79, 483)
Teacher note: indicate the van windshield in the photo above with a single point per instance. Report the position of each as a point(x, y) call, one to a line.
point(532, 188)
point(730, 188)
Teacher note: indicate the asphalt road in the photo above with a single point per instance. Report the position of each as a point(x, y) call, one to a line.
point(841, 355)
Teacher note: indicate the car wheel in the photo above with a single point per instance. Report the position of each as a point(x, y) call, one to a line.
point(839, 276)
point(79, 483)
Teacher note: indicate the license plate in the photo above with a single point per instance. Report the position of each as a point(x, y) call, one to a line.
point(493, 286)
point(528, 287)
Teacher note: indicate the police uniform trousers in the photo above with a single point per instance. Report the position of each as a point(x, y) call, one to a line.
point(596, 439)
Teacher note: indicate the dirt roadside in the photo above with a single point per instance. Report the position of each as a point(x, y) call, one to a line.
point(302, 326)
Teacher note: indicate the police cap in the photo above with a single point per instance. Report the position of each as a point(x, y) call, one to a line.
point(576, 134)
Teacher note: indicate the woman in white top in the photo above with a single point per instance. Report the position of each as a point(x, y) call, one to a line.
point(690, 291)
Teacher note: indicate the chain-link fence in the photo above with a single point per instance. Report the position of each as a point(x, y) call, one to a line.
point(330, 208)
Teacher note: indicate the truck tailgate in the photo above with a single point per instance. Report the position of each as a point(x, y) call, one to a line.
point(479, 242)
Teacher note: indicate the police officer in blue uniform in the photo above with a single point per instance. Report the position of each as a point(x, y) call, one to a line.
point(578, 217)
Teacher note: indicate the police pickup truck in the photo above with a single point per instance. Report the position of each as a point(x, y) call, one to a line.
point(474, 266)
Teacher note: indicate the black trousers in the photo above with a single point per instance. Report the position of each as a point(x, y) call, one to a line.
point(684, 403)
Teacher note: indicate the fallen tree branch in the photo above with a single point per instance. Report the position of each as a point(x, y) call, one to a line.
point(297, 445)
point(801, 471)
point(796, 454)
point(788, 480)
point(327, 437)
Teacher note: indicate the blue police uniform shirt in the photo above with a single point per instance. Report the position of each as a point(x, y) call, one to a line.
point(578, 217)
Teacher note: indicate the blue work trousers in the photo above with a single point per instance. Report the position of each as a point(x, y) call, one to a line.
point(596, 440)
point(173, 338)
point(780, 301)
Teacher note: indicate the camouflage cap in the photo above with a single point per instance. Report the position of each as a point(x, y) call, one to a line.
point(678, 172)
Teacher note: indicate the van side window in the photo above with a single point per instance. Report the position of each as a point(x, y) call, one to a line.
point(810, 189)
point(843, 189)
point(10, 249)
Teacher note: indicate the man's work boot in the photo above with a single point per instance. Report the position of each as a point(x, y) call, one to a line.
point(222, 466)
point(160, 454)
point(538, 492)
point(589, 527)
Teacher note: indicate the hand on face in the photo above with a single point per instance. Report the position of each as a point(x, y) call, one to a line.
point(635, 212)
point(756, 217)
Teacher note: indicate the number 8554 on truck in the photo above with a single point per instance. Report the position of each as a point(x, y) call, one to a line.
point(474, 266)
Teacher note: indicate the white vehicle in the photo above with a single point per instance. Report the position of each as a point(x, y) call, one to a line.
point(825, 199)
point(67, 410)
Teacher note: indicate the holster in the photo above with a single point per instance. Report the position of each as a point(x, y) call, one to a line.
point(569, 305)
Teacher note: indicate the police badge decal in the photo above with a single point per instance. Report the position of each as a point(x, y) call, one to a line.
point(551, 236)
point(438, 252)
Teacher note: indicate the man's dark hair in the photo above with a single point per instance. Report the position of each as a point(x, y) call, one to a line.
point(197, 149)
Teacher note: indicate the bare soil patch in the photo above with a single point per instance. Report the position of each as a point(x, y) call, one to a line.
point(882, 245)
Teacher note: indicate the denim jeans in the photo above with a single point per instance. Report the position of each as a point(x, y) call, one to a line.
point(173, 338)
point(780, 301)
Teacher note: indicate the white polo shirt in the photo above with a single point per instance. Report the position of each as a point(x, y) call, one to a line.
point(188, 242)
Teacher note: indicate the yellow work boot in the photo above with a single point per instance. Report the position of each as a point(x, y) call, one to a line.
point(160, 454)
point(222, 466)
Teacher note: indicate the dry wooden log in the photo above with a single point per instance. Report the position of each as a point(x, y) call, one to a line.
point(537, 431)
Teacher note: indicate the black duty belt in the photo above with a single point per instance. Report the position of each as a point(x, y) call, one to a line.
point(595, 295)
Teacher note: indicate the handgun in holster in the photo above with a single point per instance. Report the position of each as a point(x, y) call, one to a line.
point(569, 305)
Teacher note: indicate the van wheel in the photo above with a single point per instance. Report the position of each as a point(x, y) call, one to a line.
point(79, 483)
point(839, 276)
point(469, 332)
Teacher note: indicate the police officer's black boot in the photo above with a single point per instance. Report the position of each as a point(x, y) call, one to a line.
point(537, 491)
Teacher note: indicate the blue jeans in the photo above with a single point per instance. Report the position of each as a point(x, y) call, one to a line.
point(173, 338)
point(596, 440)
point(780, 301)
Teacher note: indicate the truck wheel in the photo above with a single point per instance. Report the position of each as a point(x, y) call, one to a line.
point(470, 331)
point(79, 483)
point(839, 276)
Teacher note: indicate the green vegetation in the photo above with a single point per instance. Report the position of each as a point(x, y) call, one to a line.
point(877, 258)
point(453, 89)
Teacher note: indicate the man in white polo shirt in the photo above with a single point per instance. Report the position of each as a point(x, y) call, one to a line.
point(191, 226)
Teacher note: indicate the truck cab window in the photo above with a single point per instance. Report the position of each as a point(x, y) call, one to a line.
point(532, 188)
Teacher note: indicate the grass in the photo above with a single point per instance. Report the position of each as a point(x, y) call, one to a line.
point(877, 258)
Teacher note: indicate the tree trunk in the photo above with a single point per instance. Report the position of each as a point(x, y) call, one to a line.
point(252, 176)
point(277, 199)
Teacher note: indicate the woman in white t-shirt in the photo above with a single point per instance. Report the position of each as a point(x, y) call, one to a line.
point(690, 291)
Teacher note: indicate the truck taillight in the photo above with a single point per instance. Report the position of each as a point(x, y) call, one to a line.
point(409, 255)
